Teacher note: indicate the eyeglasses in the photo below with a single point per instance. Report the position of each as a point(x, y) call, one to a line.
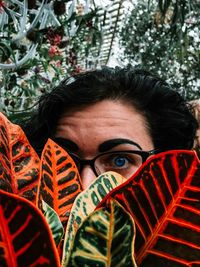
point(123, 162)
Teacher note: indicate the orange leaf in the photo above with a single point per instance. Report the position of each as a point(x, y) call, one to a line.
point(19, 163)
point(60, 181)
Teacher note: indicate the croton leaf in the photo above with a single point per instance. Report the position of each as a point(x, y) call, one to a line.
point(59, 181)
point(85, 204)
point(105, 238)
point(25, 238)
point(163, 198)
point(54, 222)
point(19, 163)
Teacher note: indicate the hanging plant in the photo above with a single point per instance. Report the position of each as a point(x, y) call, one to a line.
point(43, 34)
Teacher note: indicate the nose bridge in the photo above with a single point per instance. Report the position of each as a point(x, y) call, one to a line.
point(89, 162)
point(87, 176)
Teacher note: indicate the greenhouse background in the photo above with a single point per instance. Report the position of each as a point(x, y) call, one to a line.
point(44, 41)
point(97, 177)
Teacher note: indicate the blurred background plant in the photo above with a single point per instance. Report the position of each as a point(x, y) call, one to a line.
point(164, 37)
point(40, 44)
point(43, 41)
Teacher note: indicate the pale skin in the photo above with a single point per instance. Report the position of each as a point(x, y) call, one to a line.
point(89, 127)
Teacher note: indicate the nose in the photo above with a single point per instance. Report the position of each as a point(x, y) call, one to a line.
point(87, 176)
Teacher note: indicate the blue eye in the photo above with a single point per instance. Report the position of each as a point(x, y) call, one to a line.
point(119, 161)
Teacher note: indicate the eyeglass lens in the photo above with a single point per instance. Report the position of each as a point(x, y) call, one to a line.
point(124, 163)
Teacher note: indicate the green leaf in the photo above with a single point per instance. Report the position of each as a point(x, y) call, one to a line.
point(6, 51)
point(54, 222)
point(106, 238)
point(167, 3)
point(85, 204)
point(160, 4)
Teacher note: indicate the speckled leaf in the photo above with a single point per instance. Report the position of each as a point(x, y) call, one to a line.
point(105, 239)
point(19, 163)
point(54, 222)
point(59, 181)
point(25, 238)
point(85, 203)
point(163, 198)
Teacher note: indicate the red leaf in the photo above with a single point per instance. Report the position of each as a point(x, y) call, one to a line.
point(60, 181)
point(25, 238)
point(163, 198)
point(19, 163)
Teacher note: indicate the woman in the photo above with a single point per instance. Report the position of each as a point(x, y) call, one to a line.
point(112, 119)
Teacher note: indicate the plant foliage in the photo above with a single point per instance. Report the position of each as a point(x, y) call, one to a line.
point(163, 198)
point(43, 42)
point(85, 204)
point(106, 238)
point(19, 163)
point(163, 37)
point(149, 220)
point(25, 236)
point(59, 180)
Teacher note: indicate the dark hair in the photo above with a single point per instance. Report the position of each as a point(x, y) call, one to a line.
point(170, 121)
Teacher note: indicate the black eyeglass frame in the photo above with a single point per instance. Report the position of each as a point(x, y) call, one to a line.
point(91, 162)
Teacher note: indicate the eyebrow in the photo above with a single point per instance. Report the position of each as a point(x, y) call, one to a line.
point(66, 144)
point(105, 146)
point(109, 144)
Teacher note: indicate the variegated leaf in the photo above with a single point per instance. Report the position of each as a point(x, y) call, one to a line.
point(59, 180)
point(54, 222)
point(105, 238)
point(25, 238)
point(85, 203)
point(19, 163)
point(163, 198)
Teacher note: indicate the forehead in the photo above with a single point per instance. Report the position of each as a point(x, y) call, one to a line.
point(119, 109)
point(92, 125)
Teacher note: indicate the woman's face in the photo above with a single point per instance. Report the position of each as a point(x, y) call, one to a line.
point(103, 127)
